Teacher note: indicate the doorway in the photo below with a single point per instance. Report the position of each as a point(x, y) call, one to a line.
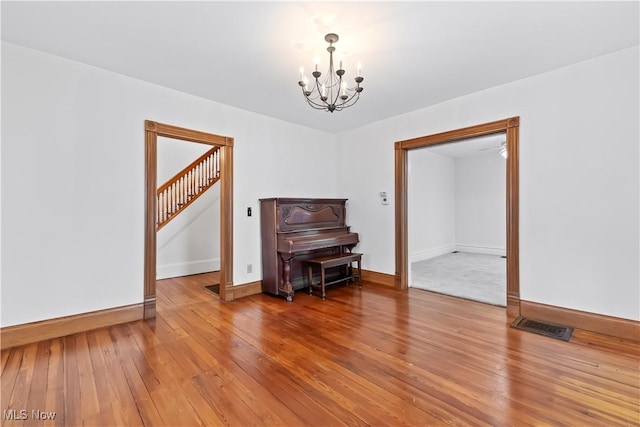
point(153, 130)
point(456, 219)
point(188, 242)
point(510, 127)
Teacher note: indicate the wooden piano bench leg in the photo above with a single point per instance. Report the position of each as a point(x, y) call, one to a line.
point(322, 277)
point(310, 278)
point(352, 276)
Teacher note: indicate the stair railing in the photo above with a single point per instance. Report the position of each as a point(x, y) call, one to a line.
point(186, 186)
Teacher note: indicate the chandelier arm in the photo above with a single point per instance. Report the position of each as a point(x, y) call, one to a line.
point(315, 104)
point(312, 101)
point(350, 101)
point(336, 101)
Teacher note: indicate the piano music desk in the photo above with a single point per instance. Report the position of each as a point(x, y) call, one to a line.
point(330, 261)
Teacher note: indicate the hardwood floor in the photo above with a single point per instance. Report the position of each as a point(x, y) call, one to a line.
point(373, 356)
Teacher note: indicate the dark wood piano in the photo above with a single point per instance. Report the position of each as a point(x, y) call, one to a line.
point(295, 230)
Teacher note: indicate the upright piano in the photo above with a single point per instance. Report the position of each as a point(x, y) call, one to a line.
point(294, 230)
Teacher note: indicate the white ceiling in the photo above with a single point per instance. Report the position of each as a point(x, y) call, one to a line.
point(470, 147)
point(248, 54)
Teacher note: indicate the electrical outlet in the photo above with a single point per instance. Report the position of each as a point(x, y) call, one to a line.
point(249, 268)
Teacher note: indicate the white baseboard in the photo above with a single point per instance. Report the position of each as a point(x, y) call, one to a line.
point(187, 268)
point(431, 253)
point(482, 250)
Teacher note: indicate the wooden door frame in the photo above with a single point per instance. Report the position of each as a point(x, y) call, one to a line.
point(152, 131)
point(511, 127)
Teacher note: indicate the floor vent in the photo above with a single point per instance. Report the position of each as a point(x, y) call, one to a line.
point(213, 288)
point(542, 328)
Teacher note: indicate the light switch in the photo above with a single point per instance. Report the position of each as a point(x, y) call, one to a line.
point(383, 198)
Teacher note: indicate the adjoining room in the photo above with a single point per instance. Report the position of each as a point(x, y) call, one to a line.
point(457, 219)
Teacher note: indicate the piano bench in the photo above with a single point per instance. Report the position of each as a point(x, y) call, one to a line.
point(333, 261)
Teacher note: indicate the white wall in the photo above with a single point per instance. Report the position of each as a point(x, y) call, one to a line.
point(72, 228)
point(174, 155)
point(456, 204)
point(190, 242)
point(579, 180)
point(480, 204)
point(73, 180)
point(431, 207)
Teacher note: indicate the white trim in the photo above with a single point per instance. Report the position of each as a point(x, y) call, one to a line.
point(482, 250)
point(431, 253)
point(187, 268)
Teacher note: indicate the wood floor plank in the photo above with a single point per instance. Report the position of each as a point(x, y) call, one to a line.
point(87, 380)
point(102, 373)
point(362, 357)
point(55, 397)
point(20, 394)
point(72, 391)
point(125, 353)
point(4, 359)
point(38, 387)
point(117, 404)
point(9, 375)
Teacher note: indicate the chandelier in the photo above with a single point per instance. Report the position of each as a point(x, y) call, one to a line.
point(332, 93)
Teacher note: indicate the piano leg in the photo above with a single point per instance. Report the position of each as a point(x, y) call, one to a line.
point(286, 288)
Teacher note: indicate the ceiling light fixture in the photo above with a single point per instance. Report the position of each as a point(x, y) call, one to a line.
point(332, 94)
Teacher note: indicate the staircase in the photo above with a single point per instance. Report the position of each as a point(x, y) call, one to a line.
point(186, 186)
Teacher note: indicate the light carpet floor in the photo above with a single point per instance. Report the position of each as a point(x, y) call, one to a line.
point(477, 277)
